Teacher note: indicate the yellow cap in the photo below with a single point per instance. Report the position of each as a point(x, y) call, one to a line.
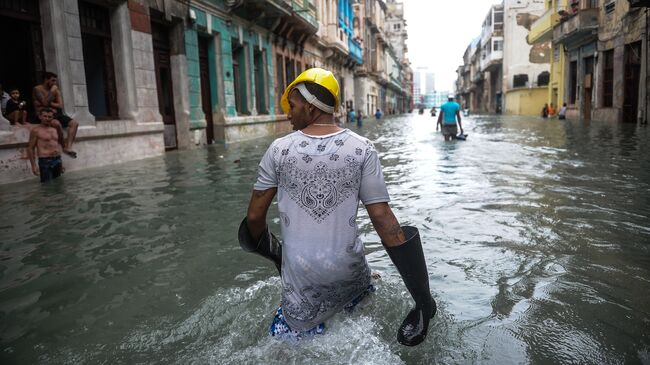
point(315, 75)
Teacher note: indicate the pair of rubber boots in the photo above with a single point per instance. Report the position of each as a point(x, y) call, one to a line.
point(407, 257)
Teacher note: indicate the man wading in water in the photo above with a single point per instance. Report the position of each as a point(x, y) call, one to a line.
point(320, 172)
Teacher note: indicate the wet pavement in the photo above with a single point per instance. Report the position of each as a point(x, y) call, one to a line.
point(536, 233)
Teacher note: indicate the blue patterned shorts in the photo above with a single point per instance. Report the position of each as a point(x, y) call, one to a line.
point(280, 328)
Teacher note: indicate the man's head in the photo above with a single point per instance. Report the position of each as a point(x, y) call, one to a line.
point(46, 115)
point(307, 101)
point(15, 94)
point(313, 93)
point(450, 97)
point(49, 79)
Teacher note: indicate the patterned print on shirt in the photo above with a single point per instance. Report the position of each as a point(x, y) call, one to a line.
point(320, 190)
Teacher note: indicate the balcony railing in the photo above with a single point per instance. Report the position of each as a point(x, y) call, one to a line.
point(355, 50)
point(574, 27)
point(306, 10)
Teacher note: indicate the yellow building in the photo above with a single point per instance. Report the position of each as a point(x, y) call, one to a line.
point(541, 31)
point(526, 68)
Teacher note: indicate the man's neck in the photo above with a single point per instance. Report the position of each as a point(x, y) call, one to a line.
point(322, 125)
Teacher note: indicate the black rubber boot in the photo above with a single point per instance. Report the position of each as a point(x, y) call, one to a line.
point(409, 259)
point(268, 245)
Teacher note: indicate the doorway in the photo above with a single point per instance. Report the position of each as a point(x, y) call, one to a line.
point(631, 86)
point(164, 86)
point(587, 87)
point(22, 63)
point(206, 89)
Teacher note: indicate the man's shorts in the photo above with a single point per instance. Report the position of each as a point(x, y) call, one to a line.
point(280, 329)
point(449, 130)
point(50, 167)
point(62, 118)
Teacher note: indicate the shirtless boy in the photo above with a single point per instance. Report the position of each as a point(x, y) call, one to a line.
point(48, 95)
point(44, 139)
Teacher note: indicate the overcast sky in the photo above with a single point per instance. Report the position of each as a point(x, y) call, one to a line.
point(439, 32)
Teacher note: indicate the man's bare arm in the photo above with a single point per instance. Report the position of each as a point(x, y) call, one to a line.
point(33, 138)
point(39, 98)
point(439, 123)
point(58, 99)
point(386, 224)
point(459, 121)
point(257, 208)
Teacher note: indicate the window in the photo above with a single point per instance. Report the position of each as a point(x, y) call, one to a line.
point(556, 53)
point(543, 78)
point(260, 84)
point(239, 77)
point(498, 17)
point(279, 73)
point(289, 69)
point(520, 80)
point(98, 60)
point(608, 78)
point(591, 4)
point(610, 6)
point(497, 45)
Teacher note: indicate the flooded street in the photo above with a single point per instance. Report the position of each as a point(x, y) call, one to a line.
point(536, 233)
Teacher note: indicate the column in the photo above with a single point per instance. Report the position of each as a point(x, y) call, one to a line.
point(64, 55)
point(123, 61)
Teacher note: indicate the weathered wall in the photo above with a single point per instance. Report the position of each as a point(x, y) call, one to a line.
point(526, 101)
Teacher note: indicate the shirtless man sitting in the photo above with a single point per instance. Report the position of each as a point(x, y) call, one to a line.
point(48, 95)
point(44, 139)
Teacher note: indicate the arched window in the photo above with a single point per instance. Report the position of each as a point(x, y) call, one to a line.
point(543, 78)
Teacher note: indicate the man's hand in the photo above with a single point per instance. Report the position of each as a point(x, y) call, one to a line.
point(35, 171)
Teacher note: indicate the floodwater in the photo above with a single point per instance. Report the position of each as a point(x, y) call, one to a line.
point(536, 233)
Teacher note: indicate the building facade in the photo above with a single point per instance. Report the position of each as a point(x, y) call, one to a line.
point(599, 62)
point(526, 68)
point(620, 85)
point(145, 76)
point(491, 62)
point(541, 32)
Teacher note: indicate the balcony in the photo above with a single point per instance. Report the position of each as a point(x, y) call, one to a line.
point(542, 29)
point(355, 50)
point(577, 28)
point(307, 10)
point(491, 61)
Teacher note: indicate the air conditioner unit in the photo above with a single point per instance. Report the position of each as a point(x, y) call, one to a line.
point(639, 3)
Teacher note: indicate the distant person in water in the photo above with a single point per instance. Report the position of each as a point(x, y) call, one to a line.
point(545, 111)
point(551, 111)
point(562, 112)
point(44, 144)
point(352, 116)
point(378, 114)
point(448, 117)
point(359, 118)
point(320, 173)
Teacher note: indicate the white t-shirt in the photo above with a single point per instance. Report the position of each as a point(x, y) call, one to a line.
point(320, 181)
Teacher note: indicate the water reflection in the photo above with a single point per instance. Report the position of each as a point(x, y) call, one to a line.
point(536, 235)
